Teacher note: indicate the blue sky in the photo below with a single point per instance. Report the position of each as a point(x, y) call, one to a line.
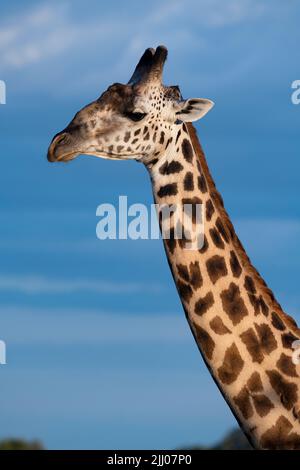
point(99, 353)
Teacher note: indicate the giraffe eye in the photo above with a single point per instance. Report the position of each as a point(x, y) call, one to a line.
point(136, 116)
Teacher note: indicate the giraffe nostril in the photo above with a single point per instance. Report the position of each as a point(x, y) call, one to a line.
point(60, 138)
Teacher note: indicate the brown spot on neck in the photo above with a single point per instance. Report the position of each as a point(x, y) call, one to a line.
point(232, 365)
point(280, 436)
point(286, 391)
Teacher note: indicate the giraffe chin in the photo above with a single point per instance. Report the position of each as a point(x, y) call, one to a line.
point(67, 157)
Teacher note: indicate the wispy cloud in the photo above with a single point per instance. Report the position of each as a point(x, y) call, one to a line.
point(30, 37)
point(62, 52)
point(39, 285)
point(71, 326)
point(284, 232)
point(209, 13)
point(50, 30)
point(270, 238)
point(47, 31)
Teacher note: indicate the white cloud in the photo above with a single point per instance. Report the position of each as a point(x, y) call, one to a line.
point(258, 231)
point(71, 326)
point(39, 284)
point(270, 238)
point(218, 13)
point(45, 32)
point(30, 37)
point(49, 31)
point(82, 245)
point(208, 13)
point(63, 52)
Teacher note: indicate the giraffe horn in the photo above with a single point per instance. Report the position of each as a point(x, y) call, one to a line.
point(150, 66)
point(158, 62)
point(143, 66)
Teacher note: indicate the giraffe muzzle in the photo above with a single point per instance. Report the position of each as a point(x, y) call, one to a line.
point(60, 149)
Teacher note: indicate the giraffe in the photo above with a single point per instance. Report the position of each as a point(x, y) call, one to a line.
point(244, 337)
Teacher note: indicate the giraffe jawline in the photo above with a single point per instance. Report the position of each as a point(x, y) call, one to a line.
point(67, 157)
point(113, 156)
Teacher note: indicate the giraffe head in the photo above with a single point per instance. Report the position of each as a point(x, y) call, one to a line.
point(131, 121)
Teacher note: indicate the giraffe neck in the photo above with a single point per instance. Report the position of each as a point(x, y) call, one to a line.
point(240, 329)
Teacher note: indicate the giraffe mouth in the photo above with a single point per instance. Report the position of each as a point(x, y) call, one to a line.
point(62, 149)
point(69, 156)
point(113, 156)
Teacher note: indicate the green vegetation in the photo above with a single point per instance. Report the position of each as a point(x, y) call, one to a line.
point(234, 440)
point(20, 444)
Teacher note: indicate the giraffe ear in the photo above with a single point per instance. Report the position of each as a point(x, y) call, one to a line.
point(193, 109)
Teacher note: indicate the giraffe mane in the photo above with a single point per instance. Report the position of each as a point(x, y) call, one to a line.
point(244, 258)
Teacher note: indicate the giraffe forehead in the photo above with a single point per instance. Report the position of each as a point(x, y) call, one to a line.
point(119, 98)
point(151, 96)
